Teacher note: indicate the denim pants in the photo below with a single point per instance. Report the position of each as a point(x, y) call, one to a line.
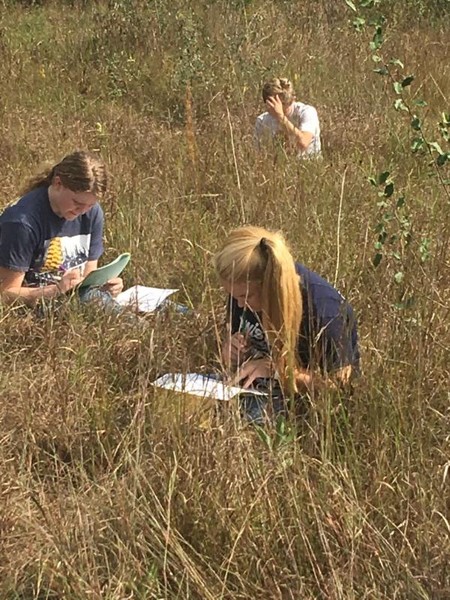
point(101, 298)
point(260, 410)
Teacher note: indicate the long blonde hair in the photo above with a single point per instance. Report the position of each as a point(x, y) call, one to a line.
point(80, 172)
point(256, 255)
point(279, 86)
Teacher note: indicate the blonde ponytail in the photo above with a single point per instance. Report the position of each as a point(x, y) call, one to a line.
point(253, 254)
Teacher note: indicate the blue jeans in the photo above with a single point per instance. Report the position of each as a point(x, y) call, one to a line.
point(101, 298)
point(260, 410)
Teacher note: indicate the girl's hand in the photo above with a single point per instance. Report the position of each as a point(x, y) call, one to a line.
point(251, 370)
point(234, 349)
point(113, 286)
point(303, 379)
point(275, 107)
point(69, 280)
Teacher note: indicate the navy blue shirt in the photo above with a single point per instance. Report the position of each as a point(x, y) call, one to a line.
point(328, 338)
point(34, 240)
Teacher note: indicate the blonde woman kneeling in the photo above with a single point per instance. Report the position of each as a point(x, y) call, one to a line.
point(288, 328)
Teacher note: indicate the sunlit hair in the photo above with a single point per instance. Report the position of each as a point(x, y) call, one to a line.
point(279, 86)
point(79, 172)
point(255, 255)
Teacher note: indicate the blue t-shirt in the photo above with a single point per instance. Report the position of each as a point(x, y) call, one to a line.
point(34, 240)
point(328, 338)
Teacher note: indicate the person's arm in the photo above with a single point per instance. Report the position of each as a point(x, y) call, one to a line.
point(234, 349)
point(308, 380)
point(18, 242)
point(252, 369)
point(301, 138)
point(12, 288)
point(90, 266)
point(336, 351)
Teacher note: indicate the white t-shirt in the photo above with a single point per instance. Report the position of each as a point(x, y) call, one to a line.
point(303, 116)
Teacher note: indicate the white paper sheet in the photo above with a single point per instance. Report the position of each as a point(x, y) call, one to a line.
point(143, 298)
point(200, 385)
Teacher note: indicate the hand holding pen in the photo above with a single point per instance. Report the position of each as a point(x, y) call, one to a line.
point(235, 349)
point(68, 279)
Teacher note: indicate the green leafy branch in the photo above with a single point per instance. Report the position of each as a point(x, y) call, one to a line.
point(394, 226)
point(392, 69)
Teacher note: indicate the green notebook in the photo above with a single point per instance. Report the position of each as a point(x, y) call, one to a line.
point(103, 274)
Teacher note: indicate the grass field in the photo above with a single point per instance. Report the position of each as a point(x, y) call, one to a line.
point(101, 495)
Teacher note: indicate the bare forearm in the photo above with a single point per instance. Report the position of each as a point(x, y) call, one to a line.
point(302, 138)
point(29, 295)
point(307, 380)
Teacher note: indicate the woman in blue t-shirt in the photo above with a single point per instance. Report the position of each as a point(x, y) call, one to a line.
point(285, 323)
point(51, 238)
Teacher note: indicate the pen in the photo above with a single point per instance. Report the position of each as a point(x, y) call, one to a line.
point(63, 269)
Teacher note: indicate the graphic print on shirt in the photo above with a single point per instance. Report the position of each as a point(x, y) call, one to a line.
point(255, 334)
point(61, 254)
point(54, 255)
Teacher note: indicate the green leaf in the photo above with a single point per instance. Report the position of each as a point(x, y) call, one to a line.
point(359, 23)
point(407, 81)
point(372, 181)
point(415, 124)
point(398, 277)
point(377, 39)
point(264, 437)
point(400, 105)
point(436, 147)
point(350, 4)
point(442, 159)
point(424, 249)
point(376, 58)
point(397, 62)
point(420, 103)
point(381, 239)
point(400, 202)
point(383, 177)
point(398, 87)
point(389, 190)
point(377, 259)
point(381, 71)
point(417, 144)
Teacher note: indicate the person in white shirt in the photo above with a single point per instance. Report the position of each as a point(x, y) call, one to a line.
point(297, 122)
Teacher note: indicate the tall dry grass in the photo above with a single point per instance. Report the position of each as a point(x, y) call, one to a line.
point(102, 496)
